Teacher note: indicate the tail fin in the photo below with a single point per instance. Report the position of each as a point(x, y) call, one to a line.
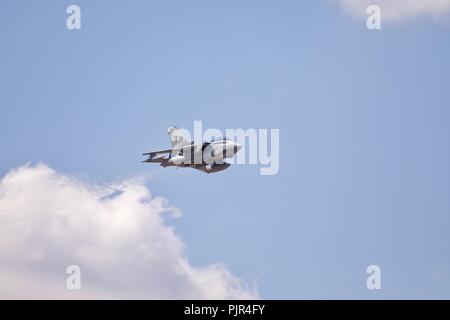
point(176, 137)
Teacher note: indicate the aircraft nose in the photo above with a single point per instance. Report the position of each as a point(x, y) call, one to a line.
point(237, 147)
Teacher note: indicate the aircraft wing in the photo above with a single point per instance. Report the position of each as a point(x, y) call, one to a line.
point(159, 155)
point(157, 152)
point(183, 149)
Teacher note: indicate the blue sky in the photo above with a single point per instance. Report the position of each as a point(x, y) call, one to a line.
point(363, 116)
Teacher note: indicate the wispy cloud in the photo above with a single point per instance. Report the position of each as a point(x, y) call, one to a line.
point(121, 242)
point(396, 10)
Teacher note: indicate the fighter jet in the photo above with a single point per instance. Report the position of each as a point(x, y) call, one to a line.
point(208, 157)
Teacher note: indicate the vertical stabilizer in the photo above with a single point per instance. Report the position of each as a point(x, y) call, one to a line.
point(177, 138)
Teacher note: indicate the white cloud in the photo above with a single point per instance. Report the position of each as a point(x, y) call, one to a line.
point(121, 242)
point(395, 10)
